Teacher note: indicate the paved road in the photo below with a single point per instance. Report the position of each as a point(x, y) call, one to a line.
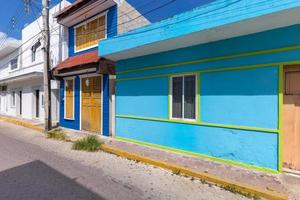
point(32, 167)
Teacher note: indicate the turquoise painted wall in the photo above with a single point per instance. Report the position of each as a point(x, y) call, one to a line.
point(149, 99)
point(241, 97)
point(284, 37)
point(209, 16)
point(244, 97)
point(251, 147)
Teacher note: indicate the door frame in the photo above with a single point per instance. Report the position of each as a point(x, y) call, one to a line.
point(101, 93)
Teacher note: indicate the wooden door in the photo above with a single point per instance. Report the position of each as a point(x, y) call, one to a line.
point(69, 99)
point(91, 104)
point(291, 119)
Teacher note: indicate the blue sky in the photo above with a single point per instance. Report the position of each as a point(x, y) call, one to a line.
point(154, 10)
point(14, 9)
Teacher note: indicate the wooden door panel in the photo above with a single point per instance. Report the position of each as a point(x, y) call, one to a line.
point(91, 104)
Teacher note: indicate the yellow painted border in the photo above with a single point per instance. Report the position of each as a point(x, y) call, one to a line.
point(276, 50)
point(247, 128)
point(231, 162)
point(213, 70)
point(22, 123)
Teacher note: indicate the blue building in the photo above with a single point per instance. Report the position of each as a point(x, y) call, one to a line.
point(221, 81)
point(85, 76)
point(87, 79)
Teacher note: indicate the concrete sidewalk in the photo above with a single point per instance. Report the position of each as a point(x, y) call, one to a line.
point(254, 179)
point(235, 178)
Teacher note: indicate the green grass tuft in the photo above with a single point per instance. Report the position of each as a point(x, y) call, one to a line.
point(57, 134)
point(89, 143)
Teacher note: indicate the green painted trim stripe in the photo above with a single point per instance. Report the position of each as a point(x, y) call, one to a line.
point(213, 59)
point(231, 162)
point(280, 105)
point(212, 70)
point(247, 128)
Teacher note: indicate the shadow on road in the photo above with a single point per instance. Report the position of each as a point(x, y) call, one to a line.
point(38, 181)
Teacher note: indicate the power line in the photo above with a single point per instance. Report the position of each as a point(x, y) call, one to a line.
point(11, 26)
point(161, 6)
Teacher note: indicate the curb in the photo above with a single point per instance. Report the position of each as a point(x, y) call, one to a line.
point(236, 187)
point(22, 123)
point(241, 188)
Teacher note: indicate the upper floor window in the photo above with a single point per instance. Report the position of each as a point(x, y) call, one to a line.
point(88, 34)
point(14, 64)
point(34, 50)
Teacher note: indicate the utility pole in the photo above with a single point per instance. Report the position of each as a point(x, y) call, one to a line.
point(47, 81)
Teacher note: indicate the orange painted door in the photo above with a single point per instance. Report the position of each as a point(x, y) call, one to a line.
point(291, 119)
point(91, 104)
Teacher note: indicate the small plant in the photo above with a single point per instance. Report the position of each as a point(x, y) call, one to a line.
point(57, 134)
point(89, 143)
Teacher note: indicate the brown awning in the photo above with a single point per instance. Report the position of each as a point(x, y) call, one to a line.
point(72, 8)
point(85, 61)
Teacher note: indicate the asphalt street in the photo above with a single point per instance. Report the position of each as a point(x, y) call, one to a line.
point(33, 167)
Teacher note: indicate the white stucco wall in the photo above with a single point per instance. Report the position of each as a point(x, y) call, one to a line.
point(58, 40)
point(28, 85)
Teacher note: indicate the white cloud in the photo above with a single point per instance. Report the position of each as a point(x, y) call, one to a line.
point(4, 40)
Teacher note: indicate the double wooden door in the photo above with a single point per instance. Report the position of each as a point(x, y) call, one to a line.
point(91, 107)
point(291, 118)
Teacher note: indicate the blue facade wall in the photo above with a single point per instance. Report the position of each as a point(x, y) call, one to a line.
point(75, 123)
point(112, 21)
point(244, 99)
point(105, 112)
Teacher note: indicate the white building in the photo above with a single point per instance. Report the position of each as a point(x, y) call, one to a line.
point(21, 69)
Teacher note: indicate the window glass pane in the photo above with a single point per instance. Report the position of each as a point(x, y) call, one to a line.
point(190, 97)
point(14, 64)
point(177, 97)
